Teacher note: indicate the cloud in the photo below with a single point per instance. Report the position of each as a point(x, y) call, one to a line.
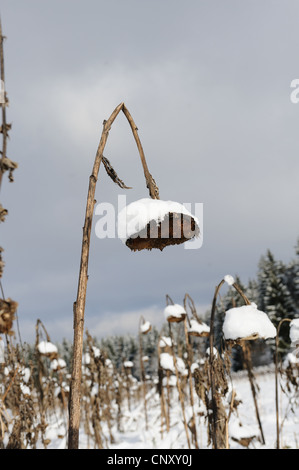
point(209, 92)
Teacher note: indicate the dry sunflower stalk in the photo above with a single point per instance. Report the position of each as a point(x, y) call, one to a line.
point(8, 165)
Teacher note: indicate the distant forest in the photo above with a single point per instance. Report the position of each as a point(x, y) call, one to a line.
point(275, 291)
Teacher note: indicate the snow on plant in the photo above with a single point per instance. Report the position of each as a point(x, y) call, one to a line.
point(178, 233)
point(48, 349)
point(58, 364)
point(198, 329)
point(165, 341)
point(240, 324)
point(290, 371)
point(145, 327)
point(174, 313)
point(167, 363)
point(247, 322)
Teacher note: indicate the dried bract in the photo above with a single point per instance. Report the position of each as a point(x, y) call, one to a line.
point(8, 165)
point(8, 309)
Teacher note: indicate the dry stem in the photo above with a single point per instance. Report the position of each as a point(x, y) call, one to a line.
point(79, 305)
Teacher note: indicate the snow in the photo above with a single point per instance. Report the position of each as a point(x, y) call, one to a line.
point(2, 349)
point(135, 217)
point(25, 389)
point(169, 381)
point(25, 374)
point(290, 358)
point(128, 364)
point(294, 331)
point(145, 327)
point(46, 347)
point(165, 341)
point(215, 351)
point(86, 356)
point(245, 321)
point(58, 364)
point(196, 327)
point(175, 310)
point(229, 279)
point(238, 431)
point(167, 363)
point(242, 424)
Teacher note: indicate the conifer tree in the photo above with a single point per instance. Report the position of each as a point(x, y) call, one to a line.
point(274, 294)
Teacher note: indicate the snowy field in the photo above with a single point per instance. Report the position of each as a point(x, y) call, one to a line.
point(243, 423)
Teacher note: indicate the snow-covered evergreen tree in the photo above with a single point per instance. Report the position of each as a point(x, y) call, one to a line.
point(275, 297)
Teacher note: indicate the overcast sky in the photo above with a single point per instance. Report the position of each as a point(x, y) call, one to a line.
point(208, 85)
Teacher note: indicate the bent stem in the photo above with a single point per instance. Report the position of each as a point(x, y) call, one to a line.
point(247, 360)
point(276, 381)
point(79, 304)
point(189, 361)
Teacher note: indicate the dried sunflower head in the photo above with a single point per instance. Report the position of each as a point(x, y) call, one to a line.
point(152, 223)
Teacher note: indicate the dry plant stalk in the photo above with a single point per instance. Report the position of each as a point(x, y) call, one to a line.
point(5, 163)
point(178, 382)
point(79, 305)
point(211, 369)
point(142, 371)
point(276, 381)
point(247, 361)
point(189, 363)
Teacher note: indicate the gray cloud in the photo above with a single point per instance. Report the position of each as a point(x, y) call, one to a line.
point(208, 84)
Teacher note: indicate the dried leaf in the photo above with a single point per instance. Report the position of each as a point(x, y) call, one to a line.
point(7, 127)
point(113, 175)
point(8, 309)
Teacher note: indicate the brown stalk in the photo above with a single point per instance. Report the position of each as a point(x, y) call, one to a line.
point(179, 386)
point(247, 360)
point(190, 380)
point(231, 406)
point(79, 305)
point(276, 382)
point(142, 372)
point(211, 368)
point(189, 361)
point(164, 414)
point(3, 105)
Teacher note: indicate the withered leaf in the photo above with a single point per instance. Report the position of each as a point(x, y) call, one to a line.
point(113, 175)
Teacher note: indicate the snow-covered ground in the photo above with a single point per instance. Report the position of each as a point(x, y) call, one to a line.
point(241, 424)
